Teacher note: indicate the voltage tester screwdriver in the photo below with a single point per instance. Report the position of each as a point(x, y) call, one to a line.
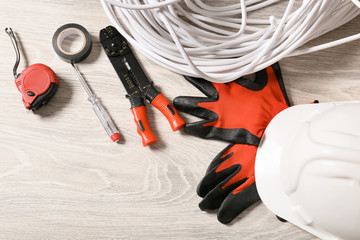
point(137, 85)
point(77, 56)
point(99, 109)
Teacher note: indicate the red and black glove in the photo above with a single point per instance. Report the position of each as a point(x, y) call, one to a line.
point(237, 112)
point(229, 182)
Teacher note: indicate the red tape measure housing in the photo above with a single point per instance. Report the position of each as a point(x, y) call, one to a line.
point(37, 84)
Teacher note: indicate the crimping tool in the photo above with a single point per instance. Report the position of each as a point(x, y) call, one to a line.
point(137, 85)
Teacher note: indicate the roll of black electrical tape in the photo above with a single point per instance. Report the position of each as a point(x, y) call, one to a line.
point(64, 32)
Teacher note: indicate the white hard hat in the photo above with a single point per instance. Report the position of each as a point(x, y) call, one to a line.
point(307, 168)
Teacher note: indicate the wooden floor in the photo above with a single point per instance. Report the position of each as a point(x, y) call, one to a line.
point(61, 177)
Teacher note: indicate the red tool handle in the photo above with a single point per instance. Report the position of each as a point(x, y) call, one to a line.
point(171, 114)
point(143, 127)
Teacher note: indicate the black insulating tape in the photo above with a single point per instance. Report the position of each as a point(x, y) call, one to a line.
point(67, 30)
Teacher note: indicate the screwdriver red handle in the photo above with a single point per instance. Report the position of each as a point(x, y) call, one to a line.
point(171, 114)
point(143, 127)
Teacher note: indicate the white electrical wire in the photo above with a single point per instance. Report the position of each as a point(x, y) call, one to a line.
point(222, 43)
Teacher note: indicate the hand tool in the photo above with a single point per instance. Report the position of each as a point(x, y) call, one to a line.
point(37, 83)
point(77, 56)
point(99, 109)
point(137, 85)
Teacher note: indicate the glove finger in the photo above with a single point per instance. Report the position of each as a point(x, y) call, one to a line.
point(235, 135)
point(277, 71)
point(261, 80)
point(234, 204)
point(213, 179)
point(258, 84)
point(219, 159)
point(204, 86)
point(216, 196)
point(190, 105)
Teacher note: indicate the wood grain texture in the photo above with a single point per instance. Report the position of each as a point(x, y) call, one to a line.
point(61, 178)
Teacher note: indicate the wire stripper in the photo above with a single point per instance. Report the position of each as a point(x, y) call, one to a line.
point(137, 85)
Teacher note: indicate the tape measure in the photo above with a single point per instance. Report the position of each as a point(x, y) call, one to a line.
point(36, 83)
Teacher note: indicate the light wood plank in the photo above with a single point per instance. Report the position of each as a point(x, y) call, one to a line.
point(61, 178)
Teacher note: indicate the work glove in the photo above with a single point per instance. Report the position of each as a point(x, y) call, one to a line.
point(237, 112)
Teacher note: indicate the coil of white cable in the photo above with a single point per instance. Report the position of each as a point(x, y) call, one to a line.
point(221, 43)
